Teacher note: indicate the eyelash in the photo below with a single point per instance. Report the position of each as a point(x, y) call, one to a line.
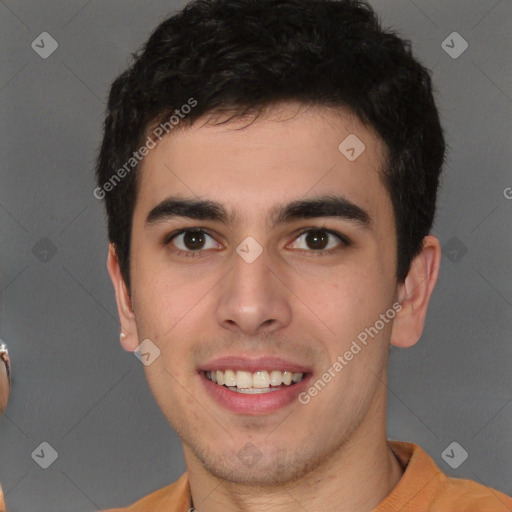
point(345, 242)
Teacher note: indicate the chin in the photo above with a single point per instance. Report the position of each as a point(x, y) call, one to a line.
point(249, 466)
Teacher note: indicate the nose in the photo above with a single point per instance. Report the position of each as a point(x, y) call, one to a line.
point(254, 298)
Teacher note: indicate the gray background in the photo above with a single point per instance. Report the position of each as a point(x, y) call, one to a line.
point(76, 389)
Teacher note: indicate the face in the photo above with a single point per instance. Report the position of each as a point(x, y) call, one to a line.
point(257, 292)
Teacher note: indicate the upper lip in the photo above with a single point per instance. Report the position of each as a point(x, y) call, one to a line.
point(252, 365)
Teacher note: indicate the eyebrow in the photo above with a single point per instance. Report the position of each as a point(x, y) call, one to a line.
point(322, 206)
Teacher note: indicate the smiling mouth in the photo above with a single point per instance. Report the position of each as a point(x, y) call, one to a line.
point(254, 382)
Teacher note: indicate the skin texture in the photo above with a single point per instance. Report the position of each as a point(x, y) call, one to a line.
point(291, 302)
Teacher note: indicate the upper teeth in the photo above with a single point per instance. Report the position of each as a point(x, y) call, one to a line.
point(261, 379)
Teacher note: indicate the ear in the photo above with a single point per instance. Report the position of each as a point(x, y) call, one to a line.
point(124, 305)
point(414, 294)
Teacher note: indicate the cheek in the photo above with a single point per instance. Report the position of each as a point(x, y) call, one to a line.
point(347, 296)
point(163, 299)
point(345, 311)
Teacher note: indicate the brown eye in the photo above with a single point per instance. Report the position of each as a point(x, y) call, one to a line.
point(321, 241)
point(192, 241)
point(317, 239)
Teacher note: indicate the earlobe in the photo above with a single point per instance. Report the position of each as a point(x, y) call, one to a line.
point(414, 294)
point(126, 343)
point(128, 336)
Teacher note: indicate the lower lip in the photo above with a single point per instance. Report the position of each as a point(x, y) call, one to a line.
point(254, 404)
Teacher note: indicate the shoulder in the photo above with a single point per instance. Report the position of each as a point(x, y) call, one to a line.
point(470, 496)
point(173, 498)
point(424, 487)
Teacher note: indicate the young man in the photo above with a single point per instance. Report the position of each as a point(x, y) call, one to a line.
point(270, 171)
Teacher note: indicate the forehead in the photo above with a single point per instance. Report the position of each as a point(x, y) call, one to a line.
point(287, 153)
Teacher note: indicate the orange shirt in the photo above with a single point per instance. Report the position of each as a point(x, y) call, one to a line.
point(422, 488)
